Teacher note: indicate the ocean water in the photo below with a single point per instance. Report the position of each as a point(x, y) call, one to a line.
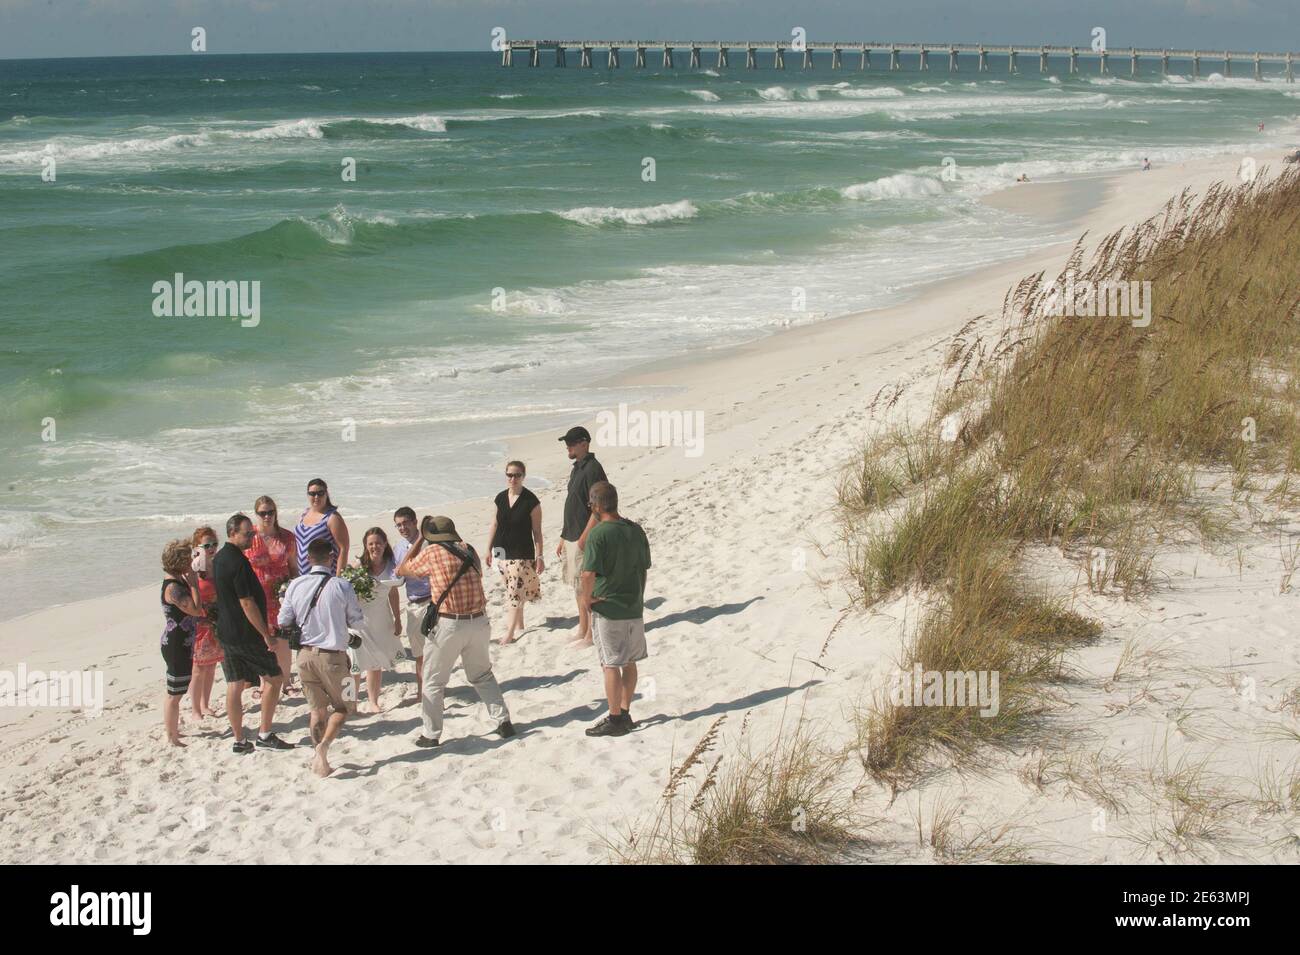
point(500, 255)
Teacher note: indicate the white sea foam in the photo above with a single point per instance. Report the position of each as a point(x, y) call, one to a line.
point(293, 129)
point(72, 148)
point(707, 96)
point(780, 102)
point(635, 215)
point(902, 185)
point(80, 149)
point(338, 227)
point(530, 304)
point(874, 92)
point(424, 122)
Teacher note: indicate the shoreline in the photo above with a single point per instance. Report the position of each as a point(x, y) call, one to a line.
point(679, 374)
point(1018, 199)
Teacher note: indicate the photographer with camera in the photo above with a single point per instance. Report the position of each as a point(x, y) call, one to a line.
point(455, 624)
point(317, 610)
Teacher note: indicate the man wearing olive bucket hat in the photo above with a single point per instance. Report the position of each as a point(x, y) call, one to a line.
point(462, 632)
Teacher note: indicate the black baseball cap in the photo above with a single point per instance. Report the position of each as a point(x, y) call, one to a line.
point(576, 435)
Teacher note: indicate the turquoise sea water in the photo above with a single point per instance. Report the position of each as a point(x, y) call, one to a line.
point(377, 296)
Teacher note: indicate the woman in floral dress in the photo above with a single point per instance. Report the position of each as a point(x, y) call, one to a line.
point(274, 561)
point(180, 614)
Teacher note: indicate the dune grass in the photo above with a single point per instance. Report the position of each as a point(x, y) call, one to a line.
point(1084, 434)
point(785, 804)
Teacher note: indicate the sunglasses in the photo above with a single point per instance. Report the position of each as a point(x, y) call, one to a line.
point(266, 513)
point(512, 475)
point(316, 493)
point(210, 545)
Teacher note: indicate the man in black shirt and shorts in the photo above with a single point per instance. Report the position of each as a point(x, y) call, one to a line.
point(245, 638)
point(578, 520)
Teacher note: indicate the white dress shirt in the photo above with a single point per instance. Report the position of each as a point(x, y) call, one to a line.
point(326, 627)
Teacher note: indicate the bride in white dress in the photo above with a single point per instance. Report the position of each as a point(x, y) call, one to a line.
point(380, 647)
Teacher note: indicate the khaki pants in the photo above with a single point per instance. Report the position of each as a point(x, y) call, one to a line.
point(467, 641)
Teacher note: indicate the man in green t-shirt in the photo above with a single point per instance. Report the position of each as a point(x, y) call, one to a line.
point(614, 565)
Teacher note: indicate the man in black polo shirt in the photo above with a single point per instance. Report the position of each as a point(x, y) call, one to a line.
point(245, 638)
point(578, 520)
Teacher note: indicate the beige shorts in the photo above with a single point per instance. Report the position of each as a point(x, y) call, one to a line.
point(573, 566)
point(327, 680)
point(413, 618)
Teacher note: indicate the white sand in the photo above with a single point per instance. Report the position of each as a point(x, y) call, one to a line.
point(744, 593)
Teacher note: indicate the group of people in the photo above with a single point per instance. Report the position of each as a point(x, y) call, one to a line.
point(250, 602)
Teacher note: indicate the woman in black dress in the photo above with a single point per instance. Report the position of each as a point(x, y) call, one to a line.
point(515, 544)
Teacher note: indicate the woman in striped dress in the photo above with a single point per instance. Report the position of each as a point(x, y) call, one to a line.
point(321, 520)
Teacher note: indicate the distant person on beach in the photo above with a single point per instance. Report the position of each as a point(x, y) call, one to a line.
point(245, 636)
point(614, 565)
point(274, 557)
point(383, 622)
point(322, 521)
point(1022, 178)
point(515, 543)
point(207, 651)
point(462, 632)
point(181, 613)
point(578, 520)
point(324, 607)
point(417, 591)
point(1146, 164)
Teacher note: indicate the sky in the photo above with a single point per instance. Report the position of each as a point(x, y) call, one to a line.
point(59, 28)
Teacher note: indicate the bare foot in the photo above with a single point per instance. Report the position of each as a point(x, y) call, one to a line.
point(370, 708)
point(509, 638)
point(176, 741)
point(320, 765)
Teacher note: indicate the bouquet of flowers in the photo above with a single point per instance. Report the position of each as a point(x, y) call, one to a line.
point(360, 580)
point(282, 588)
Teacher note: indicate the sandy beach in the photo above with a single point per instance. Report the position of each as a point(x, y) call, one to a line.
point(747, 617)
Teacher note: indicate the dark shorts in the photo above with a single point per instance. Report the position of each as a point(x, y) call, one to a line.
point(178, 654)
point(248, 664)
